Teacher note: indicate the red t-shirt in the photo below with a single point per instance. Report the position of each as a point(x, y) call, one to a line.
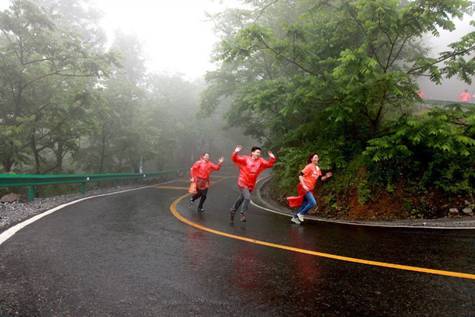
point(310, 174)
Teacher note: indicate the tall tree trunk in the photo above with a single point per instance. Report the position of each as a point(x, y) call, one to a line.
point(59, 156)
point(376, 122)
point(7, 165)
point(36, 153)
point(103, 149)
point(8, 157)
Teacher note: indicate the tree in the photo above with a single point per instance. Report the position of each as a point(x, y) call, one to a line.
point(39, 61)
point(332, 55)
point(124, 136)
point(330, 75)
point(68, 103)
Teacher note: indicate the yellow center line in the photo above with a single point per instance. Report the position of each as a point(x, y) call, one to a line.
point(173, 209)
point(220, 179)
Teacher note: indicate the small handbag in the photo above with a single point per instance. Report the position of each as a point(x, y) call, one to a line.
point(192, 189)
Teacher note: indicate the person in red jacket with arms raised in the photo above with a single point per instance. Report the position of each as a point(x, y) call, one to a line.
point(308, 179)
point(250, 166)
point(200, 172)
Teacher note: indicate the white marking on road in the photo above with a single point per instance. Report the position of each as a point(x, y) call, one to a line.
point(342, 222)
point(7, 234)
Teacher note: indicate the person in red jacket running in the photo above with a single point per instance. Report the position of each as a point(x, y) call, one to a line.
point(250, 166)
point(308, 179)
point(200, 172)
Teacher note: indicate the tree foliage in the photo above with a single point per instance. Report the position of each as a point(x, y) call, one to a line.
point(46, 76)
point(69, 102)
point(438, 149)
point(340, 78)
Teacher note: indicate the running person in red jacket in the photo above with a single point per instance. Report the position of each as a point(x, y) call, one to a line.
point(200, 172)
point(250, 166)
point(308, 179)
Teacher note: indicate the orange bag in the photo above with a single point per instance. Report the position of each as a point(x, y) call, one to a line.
point(192, 189)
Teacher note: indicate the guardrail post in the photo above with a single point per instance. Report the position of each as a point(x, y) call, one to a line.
point(82, 188)
point(31, 193)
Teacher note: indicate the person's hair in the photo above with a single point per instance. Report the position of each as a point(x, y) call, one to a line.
point(204, 153)
point(255, 148)
point(310, 157)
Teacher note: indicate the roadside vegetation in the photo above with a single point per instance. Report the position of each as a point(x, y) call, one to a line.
point(340, 78)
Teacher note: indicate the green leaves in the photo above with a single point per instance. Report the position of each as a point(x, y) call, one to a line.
point(433, 145)
point(340, 78)
point(47, 77)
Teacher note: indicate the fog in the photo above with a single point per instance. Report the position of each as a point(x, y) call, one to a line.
point(176, 35)
point(449, 89)
point(178, 38)
point(129, 88)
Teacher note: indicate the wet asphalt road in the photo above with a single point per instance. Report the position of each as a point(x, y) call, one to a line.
point(127, 255)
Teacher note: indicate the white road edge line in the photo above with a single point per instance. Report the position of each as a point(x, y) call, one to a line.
point(354, 223)
point(7, 234)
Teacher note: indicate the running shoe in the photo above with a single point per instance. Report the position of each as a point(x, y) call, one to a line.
point(295, 220)
point(300, 217)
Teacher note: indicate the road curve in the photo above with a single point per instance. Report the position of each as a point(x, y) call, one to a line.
point(128, 255)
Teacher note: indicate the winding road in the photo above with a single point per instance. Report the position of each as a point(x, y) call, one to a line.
point(146, 253)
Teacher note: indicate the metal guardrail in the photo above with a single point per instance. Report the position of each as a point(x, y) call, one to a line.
point(32, 180)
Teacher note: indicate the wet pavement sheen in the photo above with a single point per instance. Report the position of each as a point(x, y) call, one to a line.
point(127, 255)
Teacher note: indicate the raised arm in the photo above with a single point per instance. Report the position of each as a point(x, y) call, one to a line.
point(269, 163)
point(236, 158)
point(217, 167)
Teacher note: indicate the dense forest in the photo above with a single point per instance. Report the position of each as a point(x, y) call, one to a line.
point(73, 101)
point(340, 78)
point(334, 77)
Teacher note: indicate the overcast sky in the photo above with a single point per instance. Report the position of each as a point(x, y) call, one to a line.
point(176, 36)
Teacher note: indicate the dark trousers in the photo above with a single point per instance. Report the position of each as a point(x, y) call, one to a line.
point(201, 193)
point(244, 199)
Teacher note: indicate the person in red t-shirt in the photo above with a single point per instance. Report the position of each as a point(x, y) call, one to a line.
point(200, 172)
point(250, 166)
point(308, 179)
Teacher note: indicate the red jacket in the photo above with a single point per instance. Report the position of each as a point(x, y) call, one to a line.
point(201, 170)
point(296, 201)
point(249, 169)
